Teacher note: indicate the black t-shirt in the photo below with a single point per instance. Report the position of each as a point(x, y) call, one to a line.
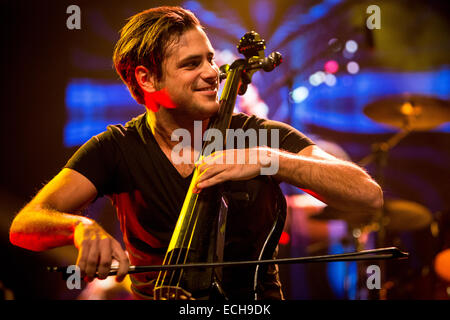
point(127, 164)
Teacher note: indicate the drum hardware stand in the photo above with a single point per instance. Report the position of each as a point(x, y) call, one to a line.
point(379, 155)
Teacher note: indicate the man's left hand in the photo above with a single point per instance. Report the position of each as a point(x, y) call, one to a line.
point(233, 164)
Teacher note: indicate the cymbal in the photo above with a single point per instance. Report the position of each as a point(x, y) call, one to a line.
point(415, 112)
point(398, 216)
point(402, 215)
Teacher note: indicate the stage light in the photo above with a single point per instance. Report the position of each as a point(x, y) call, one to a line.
point(299, 94)
point(285, 238)
point(335, 44)
point(317, 78)
point(356, 233)
point(407, 109)
point(331, 66)
point(442, 264)
point(352, 67)
point(351, 46)
point(330, 79)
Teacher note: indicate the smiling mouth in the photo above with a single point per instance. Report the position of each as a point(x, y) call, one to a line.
point(208, 89)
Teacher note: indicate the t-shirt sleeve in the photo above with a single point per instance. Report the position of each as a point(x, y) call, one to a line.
point(288, 138)
point(96, 160)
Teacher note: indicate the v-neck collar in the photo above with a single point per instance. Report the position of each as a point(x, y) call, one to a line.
point(148, 132)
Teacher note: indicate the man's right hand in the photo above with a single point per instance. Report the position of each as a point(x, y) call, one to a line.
point(96, 251)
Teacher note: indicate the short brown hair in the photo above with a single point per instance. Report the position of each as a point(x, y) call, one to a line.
point(144, 40)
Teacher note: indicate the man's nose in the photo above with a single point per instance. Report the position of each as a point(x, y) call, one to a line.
point(210, 71)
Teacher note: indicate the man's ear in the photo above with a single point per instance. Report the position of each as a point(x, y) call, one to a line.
point(145, 79)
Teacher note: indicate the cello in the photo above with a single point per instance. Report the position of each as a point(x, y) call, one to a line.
point(256, 208)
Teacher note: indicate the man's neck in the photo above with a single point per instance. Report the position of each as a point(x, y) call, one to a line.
point(163, 123)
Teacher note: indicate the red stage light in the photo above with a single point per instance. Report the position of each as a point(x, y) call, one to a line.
point(153, 100)
point(285, 238)
point(331, 66)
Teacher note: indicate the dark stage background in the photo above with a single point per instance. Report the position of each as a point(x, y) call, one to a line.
point(59, 89)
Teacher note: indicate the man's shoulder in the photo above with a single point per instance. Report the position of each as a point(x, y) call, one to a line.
point(242, 120)
point(129, 130)
point(245, 121)
point(243, 116)
point(119, 134)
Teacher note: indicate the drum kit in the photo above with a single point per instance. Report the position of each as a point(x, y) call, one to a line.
point(406, 113)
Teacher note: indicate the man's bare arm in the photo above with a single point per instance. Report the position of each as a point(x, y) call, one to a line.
point(52, 219)
point(341, 184)
point(49, 219)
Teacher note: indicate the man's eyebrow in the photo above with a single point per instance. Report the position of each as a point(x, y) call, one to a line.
point(194, 57)
point(191, 57)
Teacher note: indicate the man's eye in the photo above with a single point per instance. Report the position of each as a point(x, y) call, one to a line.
point(192, 64)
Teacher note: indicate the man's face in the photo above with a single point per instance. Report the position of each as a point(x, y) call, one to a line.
point(190, 75)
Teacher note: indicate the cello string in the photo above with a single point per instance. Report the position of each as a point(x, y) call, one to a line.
point(157, 285)
point(208, 138)
point(188, 230)
point(179, 253)
point(167, 261)
point(188, 248)
point(170, 259)
point(184, 240)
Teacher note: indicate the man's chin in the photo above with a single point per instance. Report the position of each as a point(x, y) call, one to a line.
point(208, 110)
